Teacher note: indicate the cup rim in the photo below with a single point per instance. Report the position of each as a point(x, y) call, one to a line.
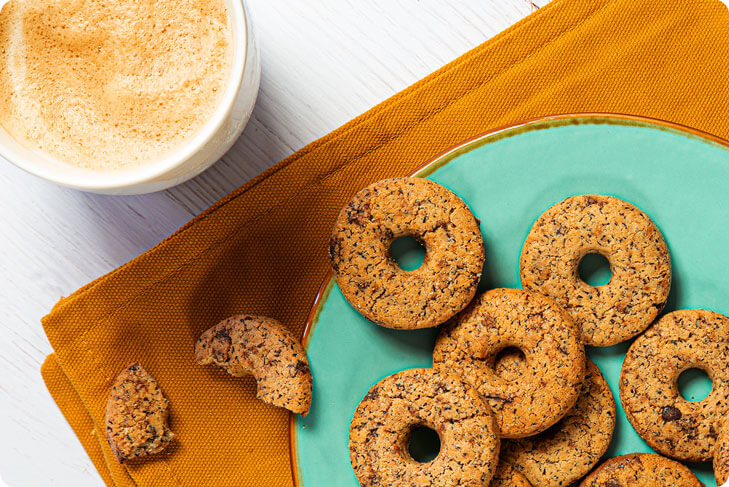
point(94, 180)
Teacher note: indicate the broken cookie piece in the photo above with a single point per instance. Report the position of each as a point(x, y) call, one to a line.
point(263, 348)
point(136, 415)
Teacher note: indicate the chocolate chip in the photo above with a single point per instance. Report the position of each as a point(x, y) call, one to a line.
point(373, 394)
point(302, 367)
point(507, 400)
point(670, 413)
point(223, 335)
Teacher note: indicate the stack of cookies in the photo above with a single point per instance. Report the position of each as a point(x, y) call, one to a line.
point(512, 395)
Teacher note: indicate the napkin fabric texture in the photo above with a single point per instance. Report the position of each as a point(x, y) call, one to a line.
point(262, 249)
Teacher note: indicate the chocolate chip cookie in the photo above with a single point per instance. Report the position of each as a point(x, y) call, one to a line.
point(264, 348)
point(373, 283)
point(631, 242)
point(721, 455)
point(671, 425)
point(549, 384)
point(571, 448)
point(506, 476)
point(136, 416)
point(395, 406)
point(641, 470)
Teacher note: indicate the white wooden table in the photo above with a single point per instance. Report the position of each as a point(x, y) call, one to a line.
point(324, 62)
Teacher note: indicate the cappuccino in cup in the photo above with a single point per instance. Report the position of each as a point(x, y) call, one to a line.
point(109, 85)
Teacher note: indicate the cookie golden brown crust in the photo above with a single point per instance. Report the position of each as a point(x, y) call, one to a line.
point(641, 470)
point(549, 384)
point(373, 283)
point(136, 416)
point(631, 242)
point(721, 455)
point(571, 448)
point(649, 394)
point(506, 476)
point(264, 348)
point(382, 423)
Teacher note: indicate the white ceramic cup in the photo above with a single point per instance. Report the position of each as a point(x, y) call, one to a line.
point(191, 158)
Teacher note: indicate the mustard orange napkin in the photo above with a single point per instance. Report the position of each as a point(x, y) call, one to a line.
point(262, 249)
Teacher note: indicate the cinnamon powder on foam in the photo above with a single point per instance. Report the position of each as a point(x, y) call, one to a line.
point(108, 84)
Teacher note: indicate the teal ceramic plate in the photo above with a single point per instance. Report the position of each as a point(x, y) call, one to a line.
point(678, 177)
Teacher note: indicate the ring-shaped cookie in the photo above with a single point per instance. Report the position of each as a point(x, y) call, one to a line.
point(671, 425)
point(639, 261)
point(554, 368)
point(641, 469)
point(395, 406)
point(571, 448)
point(721, 455)
point(371, 280)
point(265, 349)
point(506, 476)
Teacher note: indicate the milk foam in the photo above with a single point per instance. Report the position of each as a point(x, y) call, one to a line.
point(109, 84)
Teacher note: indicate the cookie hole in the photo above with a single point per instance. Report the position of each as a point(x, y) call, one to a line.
point(509, 363)
point(424, 444)
point(694, 385)
point(594, 270)
point(408, 253)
